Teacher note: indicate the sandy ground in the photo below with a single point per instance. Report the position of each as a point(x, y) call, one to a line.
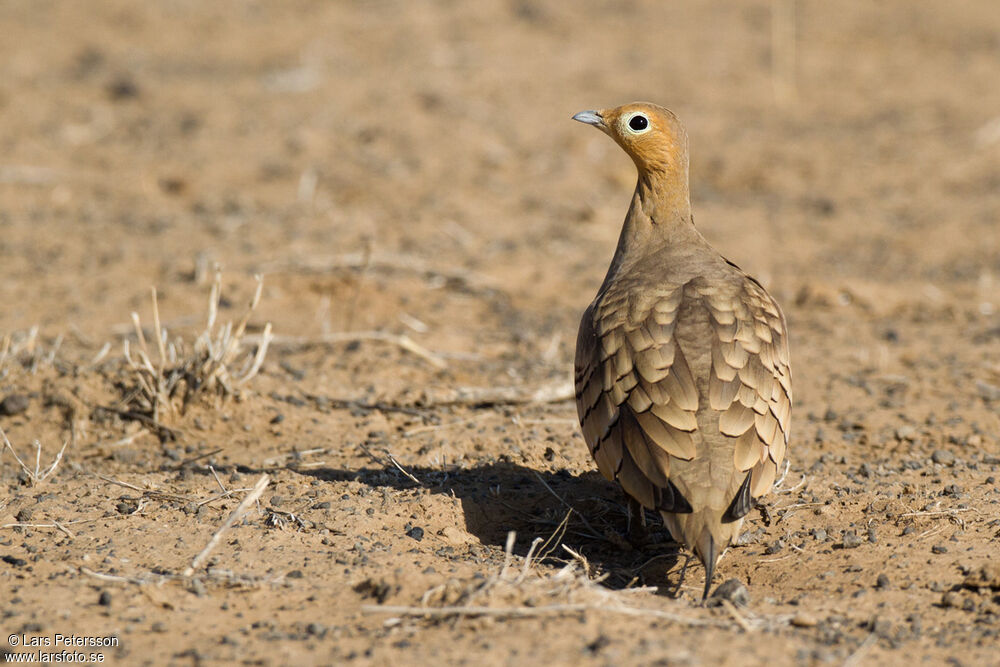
point(411, 169)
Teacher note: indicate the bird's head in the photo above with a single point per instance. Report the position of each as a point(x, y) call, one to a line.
point(652, 136)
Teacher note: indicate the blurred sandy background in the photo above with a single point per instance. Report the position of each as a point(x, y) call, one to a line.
point(411, 168)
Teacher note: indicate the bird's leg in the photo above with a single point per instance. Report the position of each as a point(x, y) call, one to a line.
point(680, 577)
point(637, 533)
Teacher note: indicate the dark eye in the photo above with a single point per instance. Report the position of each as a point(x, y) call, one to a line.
point(638, 122)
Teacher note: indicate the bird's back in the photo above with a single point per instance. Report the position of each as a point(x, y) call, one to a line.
point(683, 388)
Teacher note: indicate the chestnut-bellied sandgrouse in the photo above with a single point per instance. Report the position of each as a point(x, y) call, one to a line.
point(683, 384)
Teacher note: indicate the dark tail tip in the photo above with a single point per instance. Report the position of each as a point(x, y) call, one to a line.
point(708, 557)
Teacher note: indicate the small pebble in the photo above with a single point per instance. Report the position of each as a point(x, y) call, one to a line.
point(416, 533)
point(986, 576)
point(882, 627)
point(939, 549)
point(988, 392)
point(804, 620)
point(598, 644)
point(943, 456)
point(122, 88)
point(951, 599)
point(851, 540)
point(105, 599)
point(14, 404)
point(882, 581)
point(127, 507)
point(198, 588)
point(733, 590)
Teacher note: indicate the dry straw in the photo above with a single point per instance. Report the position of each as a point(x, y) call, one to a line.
point(37, 474)
point(27, 348)
point(532, 591)
point(217, 362)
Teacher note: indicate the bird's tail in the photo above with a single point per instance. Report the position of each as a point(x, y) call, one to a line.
point(704, 533)
point(708, 552)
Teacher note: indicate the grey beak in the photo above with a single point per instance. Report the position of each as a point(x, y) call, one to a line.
point(590, 118)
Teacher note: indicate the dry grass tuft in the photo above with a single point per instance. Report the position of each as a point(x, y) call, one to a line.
point(35, 475)
point(531, 590)
point(26, 347)
point(218, 362)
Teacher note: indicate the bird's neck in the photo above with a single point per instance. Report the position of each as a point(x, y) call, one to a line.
point(658, 224)
point(663, 196)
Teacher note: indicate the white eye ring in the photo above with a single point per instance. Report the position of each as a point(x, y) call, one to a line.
point(636, 123)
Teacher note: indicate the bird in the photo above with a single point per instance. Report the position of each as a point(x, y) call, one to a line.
point(682, 375)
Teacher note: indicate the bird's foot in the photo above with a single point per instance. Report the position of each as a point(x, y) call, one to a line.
point(638, 533)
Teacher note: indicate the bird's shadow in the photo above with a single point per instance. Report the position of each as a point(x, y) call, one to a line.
point(497, 498)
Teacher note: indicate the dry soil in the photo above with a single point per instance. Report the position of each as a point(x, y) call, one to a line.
point(410, 169)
